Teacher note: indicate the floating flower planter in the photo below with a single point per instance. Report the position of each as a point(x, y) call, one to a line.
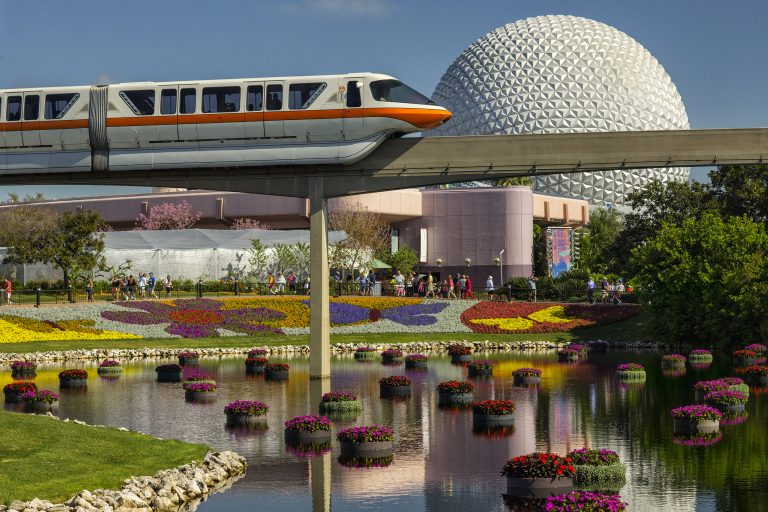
point(359, 462)
point(258, 352)
point(585, 501)
point(744, 358)
point(23, 368)
point(340, 402)
point(416, 362)
point(391, 356)
point(255, 365)
point(547, 472)
point(109, 367)
point(197, 377)
point(757, 375)
point(168, 373)
point(758, 348)
point(700, 355)
point(307, 430)
point(455, 392)
point(630, 372)
point(369, 441)
point(699, 439)
point(480, 368)
point(200, 392)
point(704, 387)
point(727, 400)
point(276, 371)
point(492, 413)
point(396, 385)
point(567, 355)
point(691, 419)
point(526, 376)
point(73, 379)
point(13, 391)
point(365, 354)
point(459, 353)
point(598, 469)
point(673, 361)
point(39, 401)
point(736, 384)
point(189, 358)
point(246, 413)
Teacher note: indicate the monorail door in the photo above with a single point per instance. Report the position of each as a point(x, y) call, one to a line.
point(354, 107)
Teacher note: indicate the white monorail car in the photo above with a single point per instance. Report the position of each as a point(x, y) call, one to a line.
point(214, 123)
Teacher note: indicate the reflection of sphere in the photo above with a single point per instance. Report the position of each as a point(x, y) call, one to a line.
point(553, 74)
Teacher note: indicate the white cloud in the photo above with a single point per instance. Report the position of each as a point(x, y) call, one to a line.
point(339, 7)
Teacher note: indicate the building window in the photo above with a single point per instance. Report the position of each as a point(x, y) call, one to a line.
point(254, 98)
point(56, 105)
point(168, 101)
point(221, 99)
point(301, 96)
point(395, 240)
point(142, 103)
point(274, 97)
point(31, 107)
point(353, 94)
point(188, 97)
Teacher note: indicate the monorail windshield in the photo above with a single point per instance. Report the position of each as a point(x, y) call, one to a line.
point(397, 92)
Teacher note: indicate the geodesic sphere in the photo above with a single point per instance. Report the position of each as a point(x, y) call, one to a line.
point(558, 74)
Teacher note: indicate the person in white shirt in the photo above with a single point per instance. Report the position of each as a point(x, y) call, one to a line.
point(280, 283)
point(399, 285)
point(143, 285)
point(489, 287)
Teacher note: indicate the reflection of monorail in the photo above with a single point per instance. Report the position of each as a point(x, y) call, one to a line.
point(214, 123)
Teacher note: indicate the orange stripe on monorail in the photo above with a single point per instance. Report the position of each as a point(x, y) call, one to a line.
point(53, 124)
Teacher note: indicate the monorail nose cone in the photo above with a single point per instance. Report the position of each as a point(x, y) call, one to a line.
point(446, 116)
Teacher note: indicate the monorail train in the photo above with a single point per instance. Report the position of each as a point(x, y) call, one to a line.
point(333, 119)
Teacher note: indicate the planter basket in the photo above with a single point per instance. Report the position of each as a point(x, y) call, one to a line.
point(386, 390)
point(189, 361)
point(254, 369)
point(391, 359)
point(568, 357)
point(109, 370)
point(631, 375)
point(24, 372)
point(301, 437)
point(345, 407)
point(454, 398)
point(72, 383)
point(761, 380)
point(536, 486)
point(526, 380)
point(461, 358)
point(235, 419)
point(700, 358)
point(39, 407)
point(416, 365)
point(200, 396)
point(492, 420)
point(609, 477)
point(370, 449)
point(169, 376)
point(366, 356)
point(745, 361)
point(686, 426)
point(677, 363)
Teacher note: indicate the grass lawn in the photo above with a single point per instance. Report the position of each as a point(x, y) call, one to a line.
point(53, 460)
point(632, 329)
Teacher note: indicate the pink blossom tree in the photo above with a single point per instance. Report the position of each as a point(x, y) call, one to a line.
point(168, 216)
point(244, 223)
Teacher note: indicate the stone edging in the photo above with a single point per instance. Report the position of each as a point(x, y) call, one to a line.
point(338, 348)
point(166, 491)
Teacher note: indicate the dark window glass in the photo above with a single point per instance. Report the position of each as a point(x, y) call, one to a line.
point(274, 97)
point(31, 107)
point(396, 91)
point(301, 96)
point(56, 105)
point(14, 109)
point(254, 98)
point(142, 103)
point(353, 94)
point(188, 97)
point(221, 99)
point(168, 101)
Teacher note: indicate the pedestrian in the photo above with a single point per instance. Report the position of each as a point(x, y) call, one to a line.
point(132, 287)
point(115, 286)
point(89, 289)
point(143, 285)
point(292, 283)
point(420, 289)
point(168, 285)
point(371, 282)
point(124, 288)
point(462, 287)
point(280, 283)
point(151, 283)
point(451, 286)
point(362, 282)
point(271, 283)
point(468, 285)
point(604, 288)
point(489, 288)
point(444, 289)
point(619, 291)
point(430, 287)
point(409, 284)
point(7, 290)
point(532, 288)
point(591, 290)
point(399, 284)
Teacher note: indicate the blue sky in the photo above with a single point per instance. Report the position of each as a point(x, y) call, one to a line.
point(715, 51)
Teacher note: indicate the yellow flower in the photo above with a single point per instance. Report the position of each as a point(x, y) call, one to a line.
point(22, 330)
point(553, 315)
point(508, 324)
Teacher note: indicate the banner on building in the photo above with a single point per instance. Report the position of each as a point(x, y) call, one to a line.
point(559, 243)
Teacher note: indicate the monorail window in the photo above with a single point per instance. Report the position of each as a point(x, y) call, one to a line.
point(13, 109)
point(168, 101)
point(301, 96)
point(142, 102)
point(31, 107)
point(274, 97)
point(221, 99)
point(56, 105)
point(188, 97)
point(396, 91)
point(254, 98)
point(353, 94)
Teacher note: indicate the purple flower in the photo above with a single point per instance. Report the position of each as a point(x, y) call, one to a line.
point(583, 500)
point(373, 433)
point(414, 314)
point(309, 423)
point(247, 407)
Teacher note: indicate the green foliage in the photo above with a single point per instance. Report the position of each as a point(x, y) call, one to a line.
point(283, 259)
point(741, 190)
point(599, 235)
point(601, 478)
point(540, 266)
point(258, 258)
point(519, 181)
point(405, 260)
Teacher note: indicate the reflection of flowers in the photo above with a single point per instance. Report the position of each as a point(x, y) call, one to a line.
point(196, 318)
point(700, 439)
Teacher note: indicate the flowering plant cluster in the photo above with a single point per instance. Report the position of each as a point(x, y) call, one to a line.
point(276, 367)
point(725, 397)
point(696, 412)
point(415, 358)
point(758, 348)
point(585, 501)
point(73, 374)
point(188, 354)
point(568, 351)
point(19, 366)
point(19, 387)
point(338, 396)
point(700, 352)
point(392, 353)
point(539, 465)
point(109, 363)
point(480, 364)
point(455, 387)
point(257, 352)
point(365, 349)
point(198, 376)
point(494, 407)
point(41, 395)
point(527, 372)
point(309, 424)
point(708, 386)
point(699, 439)
point(673, 358)
point(577, 346)
point(590, 457)
point(256, 361)
point(168, 368)
point(630, 367)
point(732, 381)
point(756, 371)
point(247, 407)
point(371, 434)
point(201, 387)
point(20, 329)
point(457, 349)
point(395, 380)
point(744, 354)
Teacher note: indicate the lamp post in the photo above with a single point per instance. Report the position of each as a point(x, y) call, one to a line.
point(501, 267)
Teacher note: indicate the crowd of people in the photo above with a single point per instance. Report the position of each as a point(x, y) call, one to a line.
point(127, 287)
point(610, 293)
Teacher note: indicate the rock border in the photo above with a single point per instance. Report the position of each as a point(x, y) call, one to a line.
point(166, 491)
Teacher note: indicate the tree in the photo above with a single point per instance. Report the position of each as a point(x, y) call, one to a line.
point(301, 259)
point(367, 233)
point(283, 258)
point(258, 259)
point(13, 198)
point(514, 182)
point(168, 216)
point(599, 235)
point(243, 223)
point(741, 190)
point(539, 249)
point(405, 259)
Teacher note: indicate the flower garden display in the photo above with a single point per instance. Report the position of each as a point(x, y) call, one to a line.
point(757, 348)
point(672, 360)
point(40, 400)
point(371, 441)
point(630, 372)
point(700, 355)
point(704, 387)
point(14, 390)
point(168, 373)
point(391, 356)
point(308, 429)
point(460, 353)
point(23, 368)
point(109, 367)
point(526, 376)
point(491, 413)
point(200, 392)
point(365, 353)
point(197, 377)
point(396, 385)
point(577, 501)
point(73, 379)
point(699, 439)
point(276, 371)
point(416, 361)
point(361, 462)
point(480, 368)
point(744, 357)
point(246, 413)
point(255, 365)
point(258, 352)
point(454, 391)
point(188, 357)
point(598, 469)
point(538, 471)
point(690, 419)
point(726, 400)
point(340, 402)
point(757, 375)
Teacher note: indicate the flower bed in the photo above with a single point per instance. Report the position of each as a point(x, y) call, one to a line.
point(200, 392)
point(196, 376)
point(757, 348)
point(630, 372)
point(40, 400)
point(277, 371)
point(757, 375)
point(23, 367)
point(744, 357)
point(526, 376)
point(538, 471)
point(391, 355)
point(365, 353)
point(255, 365)
point(245, 412)
point(257, 352)
point(307, 429)
point(673, 360)
point(494, 407)
point(585, 501)
point(188, 357)
point(700, 355)
point(726, 400)
point(13, 391)
point(109, 367)
point(455, 387)
point(598, 469)
point(704, 387)
point(480, 368)
point(736, 384)
point(457, 349)
point(340, 402)
point(374, 440)
point(416, 361)
point(396, 385)
point(693, 418)
point(73, 378)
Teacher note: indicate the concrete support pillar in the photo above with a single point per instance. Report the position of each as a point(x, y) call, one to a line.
point(320, 473)
point(319, 316)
